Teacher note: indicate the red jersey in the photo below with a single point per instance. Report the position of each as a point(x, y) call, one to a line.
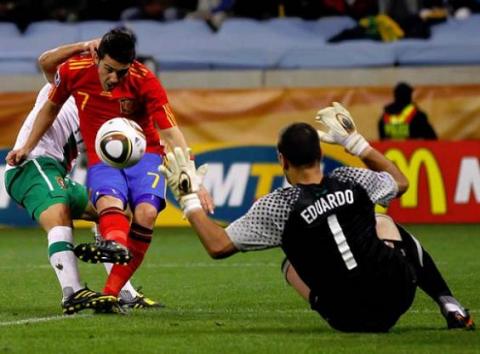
point(139, 96)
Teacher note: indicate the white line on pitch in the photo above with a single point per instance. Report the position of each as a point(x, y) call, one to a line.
point(167, 265)
point(40, 319)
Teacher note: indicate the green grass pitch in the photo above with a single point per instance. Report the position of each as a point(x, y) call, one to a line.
point(238, 305)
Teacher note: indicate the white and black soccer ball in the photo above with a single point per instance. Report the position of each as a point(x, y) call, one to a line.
point(120, 142)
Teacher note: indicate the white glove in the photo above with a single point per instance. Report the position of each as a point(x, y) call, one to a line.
point(341, 129)
point(183, 179)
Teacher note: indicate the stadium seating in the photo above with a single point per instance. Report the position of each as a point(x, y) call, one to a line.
point(453, 42)
point(174, 45)
point(94, 29)
point(287, 43)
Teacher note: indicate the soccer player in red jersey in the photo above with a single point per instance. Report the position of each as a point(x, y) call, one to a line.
point(108, 82)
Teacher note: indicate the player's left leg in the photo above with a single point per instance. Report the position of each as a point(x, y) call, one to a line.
point(129, 296)
point(292, 278)
point(147, 199)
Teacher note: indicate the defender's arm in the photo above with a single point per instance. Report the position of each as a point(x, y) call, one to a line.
point(45, 118)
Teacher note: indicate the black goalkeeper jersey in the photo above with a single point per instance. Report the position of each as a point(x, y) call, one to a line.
point(327, 232)
point(330, 237)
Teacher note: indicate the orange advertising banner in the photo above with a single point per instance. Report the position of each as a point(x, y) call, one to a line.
point(255, 116)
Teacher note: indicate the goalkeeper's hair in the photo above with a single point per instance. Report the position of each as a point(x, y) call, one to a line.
point(119, 44)
point(300, 145)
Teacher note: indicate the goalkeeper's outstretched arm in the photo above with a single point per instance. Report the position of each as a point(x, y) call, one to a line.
point(213, 237)
point(182, 178)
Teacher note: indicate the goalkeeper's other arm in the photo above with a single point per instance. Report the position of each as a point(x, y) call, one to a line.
point(181, 175)
point(341, 130)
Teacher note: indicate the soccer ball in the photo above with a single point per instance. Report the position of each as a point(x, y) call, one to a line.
point(120, 142)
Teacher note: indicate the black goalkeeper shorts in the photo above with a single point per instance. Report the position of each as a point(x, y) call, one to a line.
point(369, 305)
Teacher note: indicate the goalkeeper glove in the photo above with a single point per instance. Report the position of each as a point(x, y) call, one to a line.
point(183, 179)
point(341, 129)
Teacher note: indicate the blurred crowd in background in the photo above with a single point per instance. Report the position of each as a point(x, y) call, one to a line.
point(404, 12)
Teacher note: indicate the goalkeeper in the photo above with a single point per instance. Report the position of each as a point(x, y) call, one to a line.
point(358, 271)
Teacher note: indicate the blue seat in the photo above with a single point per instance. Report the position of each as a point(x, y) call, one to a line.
point(455, 42)
point(307, 45)
point(454, 31)
point(352, 54)
point(175, 45)
point(95, 29)
point(432, 53)
point(8, 29)
point(10, 40)
point(41, 36)
point(244, 43)
point(327, 27)
point(58, 32)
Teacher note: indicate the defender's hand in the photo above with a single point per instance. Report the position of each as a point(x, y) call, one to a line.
point(341, 129)
point(16, 157)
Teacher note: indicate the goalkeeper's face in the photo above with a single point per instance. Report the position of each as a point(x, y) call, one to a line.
point(111, 72)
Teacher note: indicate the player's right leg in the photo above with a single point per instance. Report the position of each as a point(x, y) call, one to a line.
point(109, 193)
point(39, 187)
point(429, 278)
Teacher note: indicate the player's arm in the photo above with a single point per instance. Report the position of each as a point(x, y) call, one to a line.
point(213, 237)
point(376, 161)
point(173, 137)
point(45, 118)
point(260, 228)
point(180, 174)
point(342, 131)
point(51, 59)
point(164, 119)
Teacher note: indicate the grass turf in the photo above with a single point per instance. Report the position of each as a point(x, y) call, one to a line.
point(237, 305)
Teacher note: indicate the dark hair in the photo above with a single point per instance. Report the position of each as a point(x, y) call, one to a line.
point(299, 144)
point(119, 44)
point(403, 93)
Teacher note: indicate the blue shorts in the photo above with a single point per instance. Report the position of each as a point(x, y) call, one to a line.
point(133, 185)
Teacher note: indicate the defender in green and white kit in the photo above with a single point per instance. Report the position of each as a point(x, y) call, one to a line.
point(40, 184)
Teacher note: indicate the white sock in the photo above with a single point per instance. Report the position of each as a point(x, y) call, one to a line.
point(128, 292)
point(450, 304)
point(63, 260)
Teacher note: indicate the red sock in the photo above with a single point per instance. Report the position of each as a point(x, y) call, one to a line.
point(114, 225)
point(138, 242)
